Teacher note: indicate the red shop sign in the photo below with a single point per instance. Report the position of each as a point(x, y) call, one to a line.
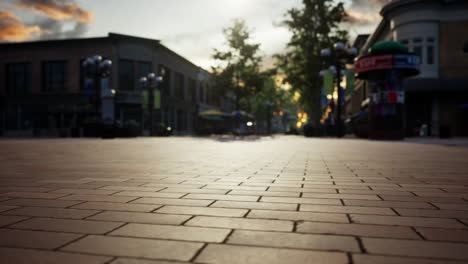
point(373, 63)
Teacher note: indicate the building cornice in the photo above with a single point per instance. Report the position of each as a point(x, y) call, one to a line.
point(396, 4)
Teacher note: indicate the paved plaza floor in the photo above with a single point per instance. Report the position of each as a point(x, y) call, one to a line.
point(268, 200)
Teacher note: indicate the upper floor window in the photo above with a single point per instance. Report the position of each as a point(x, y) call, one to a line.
point(165, 72)
point(54, 76)
point(193, 90)
point(126, 75)
point(18, 78)
point(201, 93)
point(180, 85)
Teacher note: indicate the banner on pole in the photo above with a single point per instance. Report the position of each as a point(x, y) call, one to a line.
point(157, 99)
point(145, 97)
point(328, 82)
point(350, 82)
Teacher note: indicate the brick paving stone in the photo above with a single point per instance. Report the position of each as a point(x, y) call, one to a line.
point(40, 202)
point(222, 197)
point(110, 179)
point(393, 204)
point(116, 206)
point(377, 192)
point(293, 240)
point(361, 230)
point(149, 194)
point(67, 225)
point(168, 185)
point(300, 200)
point(346, 209)
point(247, 188)
point(298, 216)
point(84, 191)
point(34, 239)
point(231, 254)
point(52, 212)
point(372, 259)
point(21, 256)
point(241, 223)
point(135, 247)
point(255, 205)
point(88, 186)
point(447, 206)
point(422, 199)
point(10, 219)
point(304, 190)
point(406, 221)
point(186, 233)
point(443, 234)
point(141, 261)
point(5, 189)
point(131, 188)
point(134, 217)
point(193, 210)
point(438, 194)
point(265, 193)
point(191, 190)
point(33, 195)
point(98, 198)
point(65, 181)
point(413, 248)
point(7, 207)
point(163, 201)
point(433, 213)
point(341, 196)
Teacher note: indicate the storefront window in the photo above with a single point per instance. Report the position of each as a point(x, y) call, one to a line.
point(126, 75)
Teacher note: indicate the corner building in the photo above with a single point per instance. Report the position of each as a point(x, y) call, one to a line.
point(436, 31)
point(42, 89)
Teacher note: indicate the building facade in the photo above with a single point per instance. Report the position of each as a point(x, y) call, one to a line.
point(436, 31)
point(42, 85)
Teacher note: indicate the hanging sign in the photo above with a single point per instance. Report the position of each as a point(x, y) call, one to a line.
point(374, 63)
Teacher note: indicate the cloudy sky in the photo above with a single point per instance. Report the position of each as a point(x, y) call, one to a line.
point(192, 28)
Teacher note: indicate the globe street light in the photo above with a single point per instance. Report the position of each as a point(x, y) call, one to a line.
point(150, 83)
point(339, 57)
point(95, 69)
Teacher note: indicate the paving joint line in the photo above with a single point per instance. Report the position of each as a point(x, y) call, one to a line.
point(70, 242)
point(20, 221)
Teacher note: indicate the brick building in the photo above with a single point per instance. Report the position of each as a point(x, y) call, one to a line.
point(42, 84)
point(436, 31)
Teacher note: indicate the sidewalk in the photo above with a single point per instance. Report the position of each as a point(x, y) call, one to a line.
point(279, 200)
point(457, 141)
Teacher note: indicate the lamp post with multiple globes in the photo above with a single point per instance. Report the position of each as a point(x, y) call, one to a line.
point(339, 56)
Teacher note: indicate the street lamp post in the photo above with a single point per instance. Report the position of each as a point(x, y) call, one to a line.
point(96, 69)
point(339, 57)
point(150, 83)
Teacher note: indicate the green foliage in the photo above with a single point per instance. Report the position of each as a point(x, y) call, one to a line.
point(315, 26)
point(238, 71)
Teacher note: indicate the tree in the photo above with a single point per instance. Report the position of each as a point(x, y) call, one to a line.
point(238, 71)
point(314, 27)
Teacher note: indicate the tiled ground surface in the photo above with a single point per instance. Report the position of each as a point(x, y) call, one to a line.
point(282, 200)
